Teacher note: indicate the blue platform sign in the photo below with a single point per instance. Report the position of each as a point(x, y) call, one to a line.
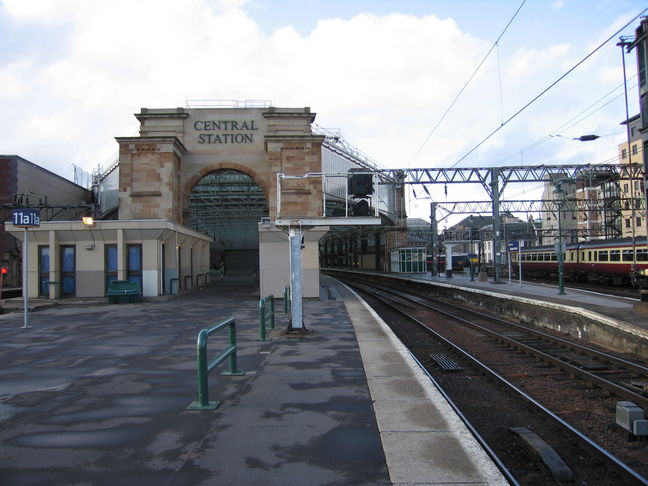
point(514, 245)
point(25, 217)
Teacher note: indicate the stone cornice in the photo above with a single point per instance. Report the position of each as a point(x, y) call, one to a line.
point(161, 113)
point(178, 146)
point(294, 138)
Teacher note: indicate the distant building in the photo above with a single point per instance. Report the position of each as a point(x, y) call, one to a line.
point(631, 191)
point(560, 217)
point(25, 184)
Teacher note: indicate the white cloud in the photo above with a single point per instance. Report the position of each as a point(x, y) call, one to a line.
point(384, 80)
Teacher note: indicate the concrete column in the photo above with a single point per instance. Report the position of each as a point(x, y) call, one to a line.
point(449, 247)
point(54, 273)
point(121, 255)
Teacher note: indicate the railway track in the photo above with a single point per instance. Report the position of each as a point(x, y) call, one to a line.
point(574, 387)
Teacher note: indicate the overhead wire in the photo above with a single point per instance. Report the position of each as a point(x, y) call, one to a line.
point(544, 91)
point(575, 120)
point(466, 84)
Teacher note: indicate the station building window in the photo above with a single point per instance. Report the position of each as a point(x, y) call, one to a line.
point(408, 260)
point(110, 264)
point(68, 271)
point(43, 271)
point(134, 264)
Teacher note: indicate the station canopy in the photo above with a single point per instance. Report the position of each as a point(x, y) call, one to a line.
point(228, 205)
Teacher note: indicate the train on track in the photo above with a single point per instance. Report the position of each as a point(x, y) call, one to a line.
point(622, 261)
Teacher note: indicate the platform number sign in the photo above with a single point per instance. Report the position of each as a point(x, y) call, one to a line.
point(25, 218)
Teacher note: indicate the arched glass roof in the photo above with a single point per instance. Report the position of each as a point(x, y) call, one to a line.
point(227, 205)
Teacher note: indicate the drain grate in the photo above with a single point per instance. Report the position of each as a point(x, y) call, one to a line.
point(445, 363)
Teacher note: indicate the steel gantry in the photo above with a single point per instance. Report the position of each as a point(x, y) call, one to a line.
point(495, 179)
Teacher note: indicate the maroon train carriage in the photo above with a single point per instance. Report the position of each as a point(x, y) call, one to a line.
point(609, 262)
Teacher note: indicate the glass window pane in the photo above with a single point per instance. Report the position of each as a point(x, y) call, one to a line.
point(111, 258)
point(44, 259)
point(134, 258)
point(68, 259)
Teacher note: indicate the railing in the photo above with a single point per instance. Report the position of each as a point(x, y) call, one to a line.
point(203, 367)
point(177, 282)
point(264, 314)
point(204, 277)
point(286, 299)
point(190, 277)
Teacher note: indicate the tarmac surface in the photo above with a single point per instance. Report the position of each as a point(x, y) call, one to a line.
point(98, 395)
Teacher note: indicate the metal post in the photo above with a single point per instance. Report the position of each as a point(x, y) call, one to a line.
point(496, 224)
point(508, 258)
point(520, 262)
point(295, 237)
point(559, 251)
point(433, 237)
point(25, 283)
point(203, 385)
point(233, 365)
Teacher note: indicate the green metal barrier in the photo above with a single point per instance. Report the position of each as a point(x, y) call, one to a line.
point(203, 367)
point(286, 299)
point(264, 314)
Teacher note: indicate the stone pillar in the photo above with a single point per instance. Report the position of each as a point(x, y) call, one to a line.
point(150, 178)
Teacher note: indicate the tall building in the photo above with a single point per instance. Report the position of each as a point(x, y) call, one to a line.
point(632, 191)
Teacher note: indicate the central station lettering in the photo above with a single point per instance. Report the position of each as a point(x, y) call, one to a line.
point(225, 126)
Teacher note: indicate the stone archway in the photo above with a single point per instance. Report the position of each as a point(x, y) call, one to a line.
point(227, 204)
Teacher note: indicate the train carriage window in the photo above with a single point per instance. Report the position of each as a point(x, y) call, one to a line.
point(615, 255)
point(582, 256)
point(596, 256)
point(642, 255)
point(589, 256)
point(628, 256)
point(551, 257)
point(603, 255)
point(534, 257)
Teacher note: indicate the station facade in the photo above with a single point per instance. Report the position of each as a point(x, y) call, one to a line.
point(199, 191)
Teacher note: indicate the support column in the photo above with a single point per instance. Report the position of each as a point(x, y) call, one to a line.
point(433, 237)
point(121, 255)
point(54, 274)
point(449, 247)
point(295, 235)
point(496, 225)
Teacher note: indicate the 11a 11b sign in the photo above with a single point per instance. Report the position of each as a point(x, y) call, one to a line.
point(25, 218)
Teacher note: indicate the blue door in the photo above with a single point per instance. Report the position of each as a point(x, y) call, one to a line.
point(68, 271)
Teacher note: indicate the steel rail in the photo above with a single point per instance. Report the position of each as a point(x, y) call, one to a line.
point(556, 339)
point(572, 369)
point(541, 334)
point(621, 467)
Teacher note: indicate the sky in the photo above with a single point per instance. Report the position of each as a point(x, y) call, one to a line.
point(383, 73)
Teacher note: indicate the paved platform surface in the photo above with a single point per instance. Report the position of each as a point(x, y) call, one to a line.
point(619, 308)
point(97, 395)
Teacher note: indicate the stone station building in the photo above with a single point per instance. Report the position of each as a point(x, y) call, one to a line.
point(201, 189)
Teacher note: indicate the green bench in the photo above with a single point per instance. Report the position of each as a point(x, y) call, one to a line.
point(123, 292)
